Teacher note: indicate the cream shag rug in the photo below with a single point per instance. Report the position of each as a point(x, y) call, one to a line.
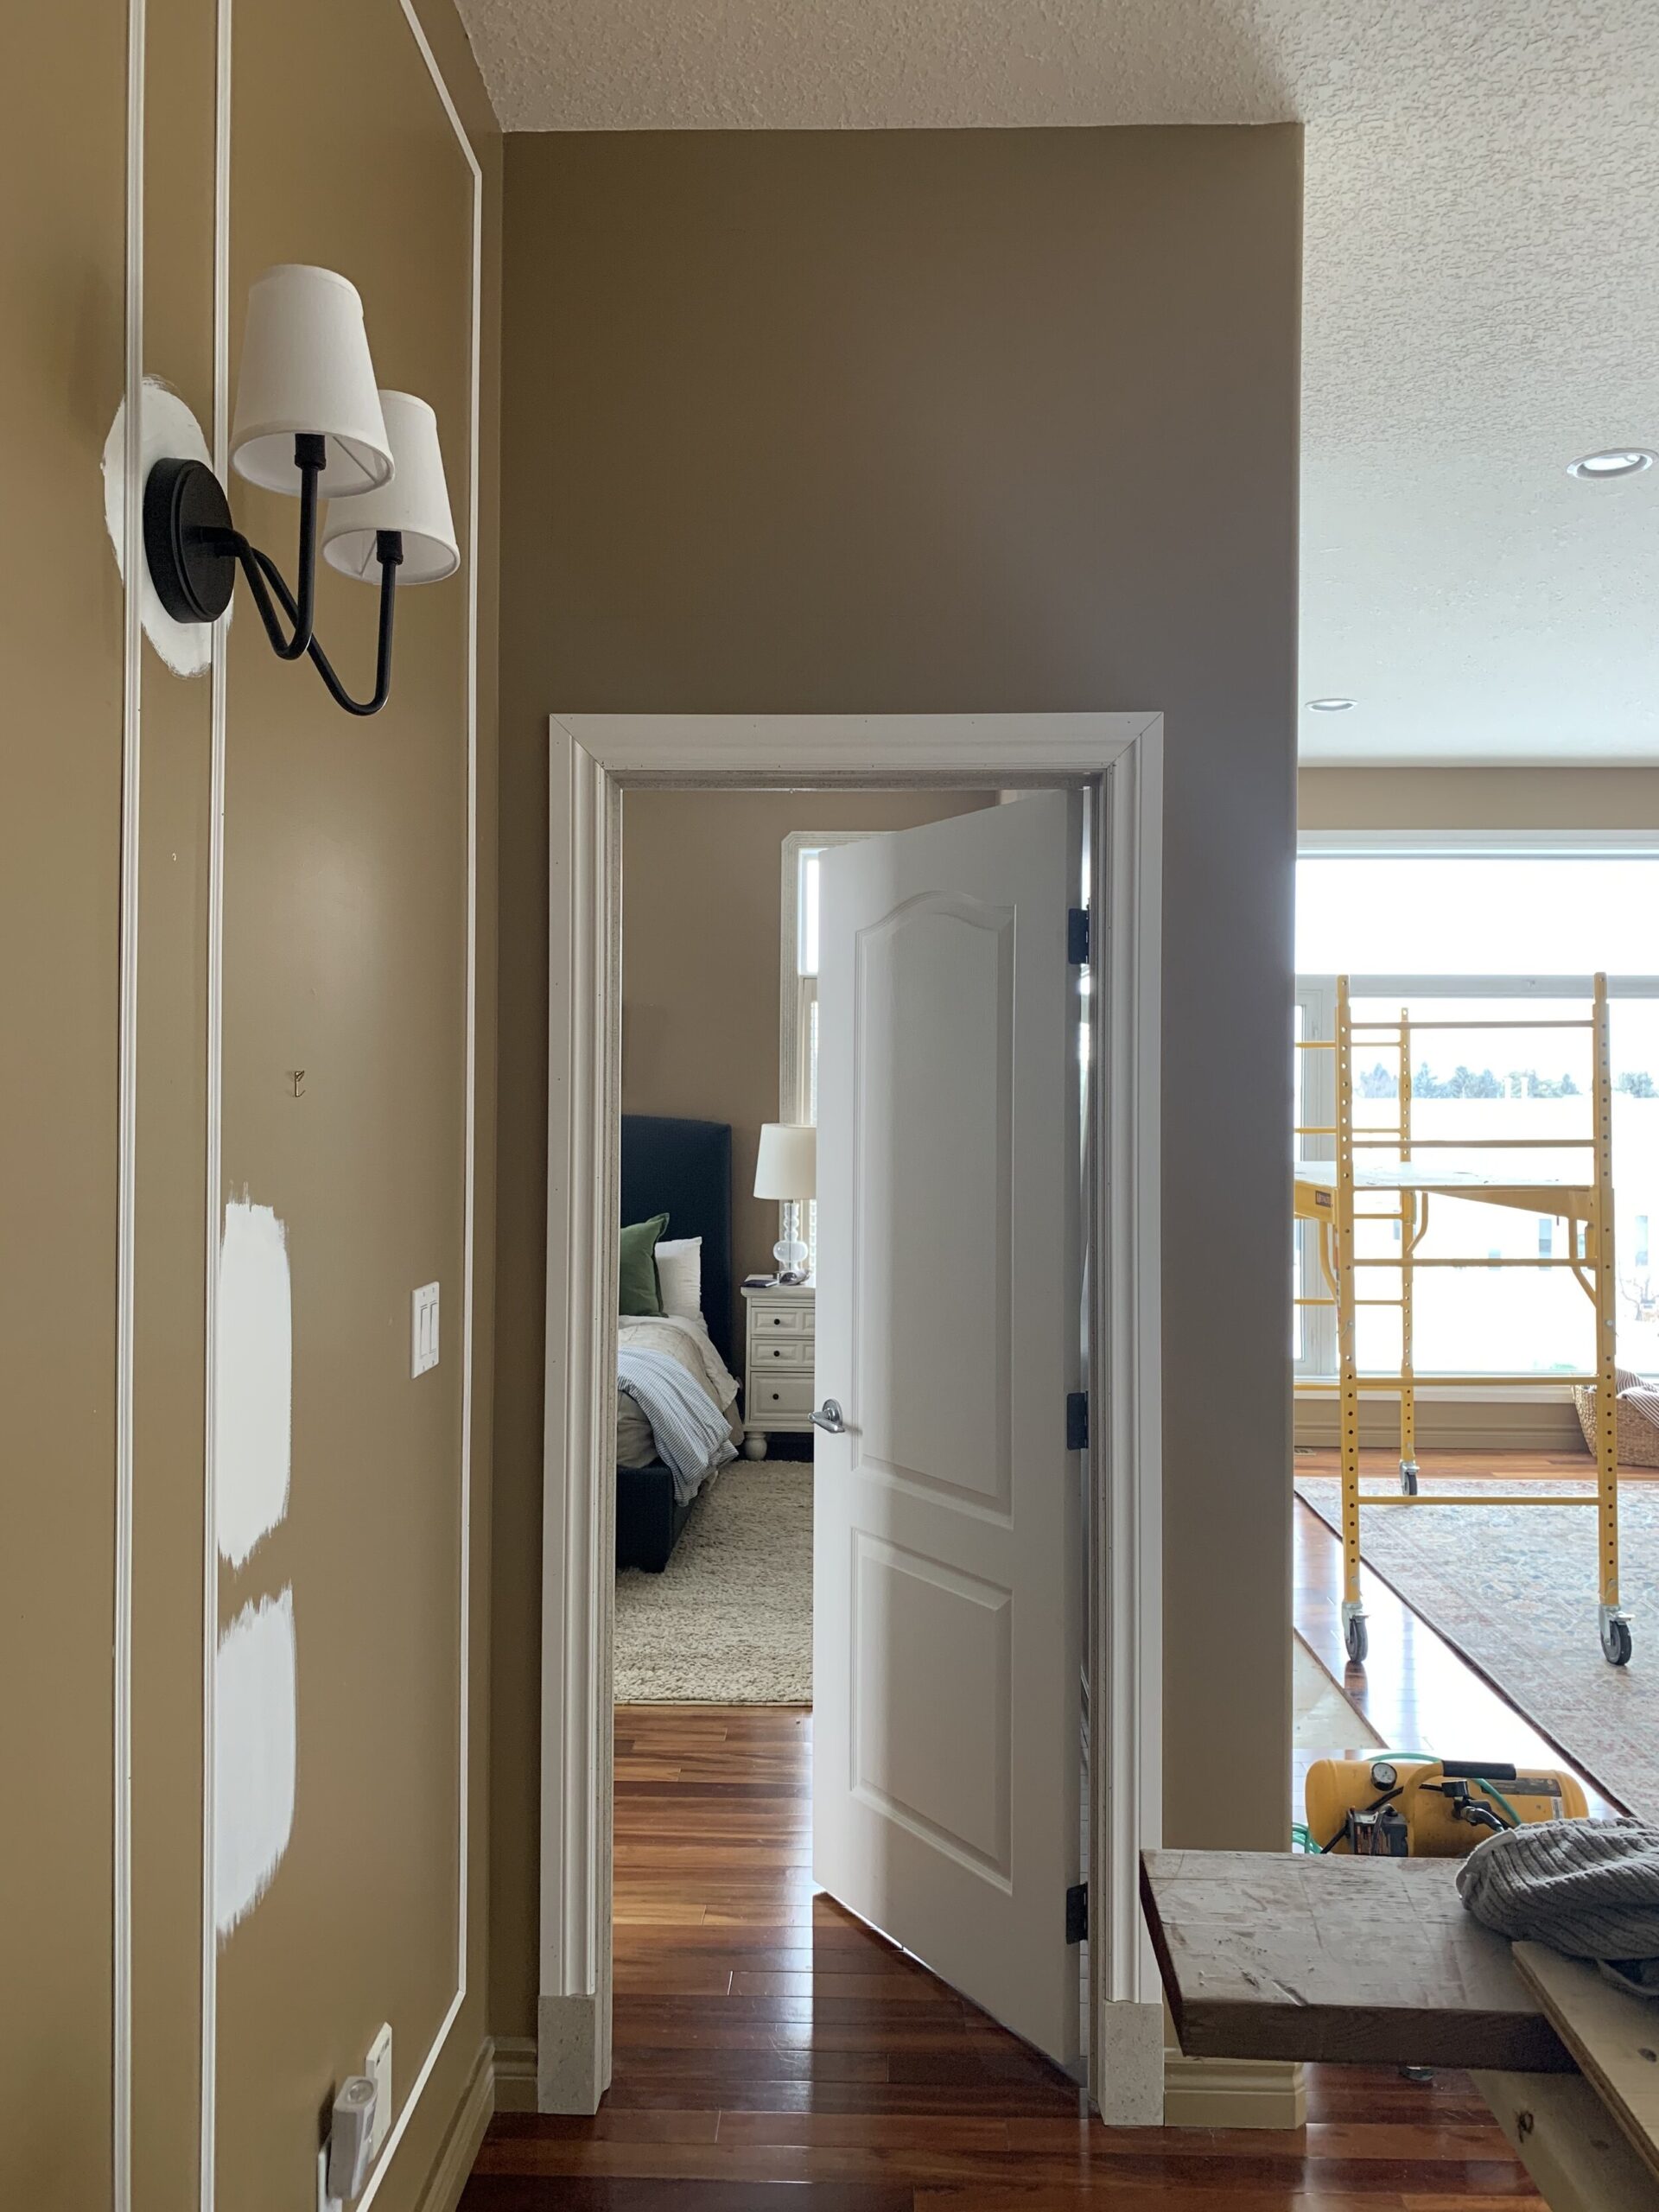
point(729, 1619)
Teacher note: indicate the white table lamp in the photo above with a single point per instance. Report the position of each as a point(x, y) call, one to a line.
point(786, 1167)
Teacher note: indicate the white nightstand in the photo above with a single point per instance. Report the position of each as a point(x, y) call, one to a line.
point(777, 1396)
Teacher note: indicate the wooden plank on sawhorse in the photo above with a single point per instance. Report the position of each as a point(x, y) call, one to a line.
point(1356, 1961)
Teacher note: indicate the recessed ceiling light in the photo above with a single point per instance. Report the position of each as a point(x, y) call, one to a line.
point(1329, 706)
point(1616, 461)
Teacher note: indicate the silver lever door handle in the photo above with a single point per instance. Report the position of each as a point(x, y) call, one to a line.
point(828, 1416)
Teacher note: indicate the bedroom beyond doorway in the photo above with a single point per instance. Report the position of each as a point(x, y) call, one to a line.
point(715, 1357)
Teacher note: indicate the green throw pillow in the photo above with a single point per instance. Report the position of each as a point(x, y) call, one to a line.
point(636, 1288)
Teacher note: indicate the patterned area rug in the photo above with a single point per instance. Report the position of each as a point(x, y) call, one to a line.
point(1514, 1589)
point(729, 1620)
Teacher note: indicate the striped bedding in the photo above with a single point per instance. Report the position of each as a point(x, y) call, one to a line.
point(686, 1343)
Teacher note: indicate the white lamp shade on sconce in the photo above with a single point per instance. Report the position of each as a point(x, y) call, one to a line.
point(415, 502)
point(306, 368)
point(786, 1166)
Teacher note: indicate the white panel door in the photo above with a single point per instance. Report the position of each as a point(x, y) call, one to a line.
point(948, 1575)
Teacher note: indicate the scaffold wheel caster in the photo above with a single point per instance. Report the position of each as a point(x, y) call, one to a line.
point(1354, 1636)
point(1408, 1477)
point(1615, 1639)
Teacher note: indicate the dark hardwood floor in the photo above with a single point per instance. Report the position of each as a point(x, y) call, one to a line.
point(772, 2055)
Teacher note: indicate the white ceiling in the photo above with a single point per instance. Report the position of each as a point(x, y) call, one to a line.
point(1482, 290)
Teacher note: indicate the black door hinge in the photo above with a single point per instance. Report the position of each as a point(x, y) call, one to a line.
point(1076, 936)
point(1077, 1913)
point(1077, 1420)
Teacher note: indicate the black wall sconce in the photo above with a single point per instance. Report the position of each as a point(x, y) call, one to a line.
point(310, 422)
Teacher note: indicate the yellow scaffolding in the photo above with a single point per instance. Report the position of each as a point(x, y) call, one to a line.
point(1327, 1192)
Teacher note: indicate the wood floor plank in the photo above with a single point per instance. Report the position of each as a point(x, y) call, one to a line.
point(610, 2193)
point(867, 2130)
point(1110, 2192)
point(616, 2124)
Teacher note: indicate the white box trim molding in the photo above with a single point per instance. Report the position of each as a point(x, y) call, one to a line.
point(208, 2088)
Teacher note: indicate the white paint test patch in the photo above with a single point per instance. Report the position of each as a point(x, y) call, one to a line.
point(168, 431)
point(255, 1735)
point(254, 1381)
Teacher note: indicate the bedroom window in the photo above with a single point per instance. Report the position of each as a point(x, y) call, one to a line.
point(1476, 934)
point(797, 1030)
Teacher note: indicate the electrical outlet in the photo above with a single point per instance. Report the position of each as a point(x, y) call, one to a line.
point(423, 1329)
point(377, 2066)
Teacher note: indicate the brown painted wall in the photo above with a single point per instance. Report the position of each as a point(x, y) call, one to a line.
point(702, 890)
point(1478, 799)
point(61, 375)
point(345, 926)
point(925, 421)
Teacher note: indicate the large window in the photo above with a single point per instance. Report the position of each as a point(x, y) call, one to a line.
point(797, 1056)
point(1489, 937)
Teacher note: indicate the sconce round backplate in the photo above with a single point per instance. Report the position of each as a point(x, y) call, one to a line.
point(189, 540)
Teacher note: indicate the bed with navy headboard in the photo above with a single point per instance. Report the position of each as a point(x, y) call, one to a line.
point(684, 1169)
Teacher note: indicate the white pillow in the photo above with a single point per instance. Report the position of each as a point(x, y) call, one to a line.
point(679, 1277)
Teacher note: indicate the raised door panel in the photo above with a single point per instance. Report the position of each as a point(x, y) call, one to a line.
point(932, 1041)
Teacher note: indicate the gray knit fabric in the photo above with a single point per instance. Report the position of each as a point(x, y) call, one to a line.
point(1589, 1888)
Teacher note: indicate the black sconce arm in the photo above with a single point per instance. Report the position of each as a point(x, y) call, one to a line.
point(309, 454)
point(260, 570)
point(193, 550)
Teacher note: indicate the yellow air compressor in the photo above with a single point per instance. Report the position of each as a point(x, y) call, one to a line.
point(1396, 1806)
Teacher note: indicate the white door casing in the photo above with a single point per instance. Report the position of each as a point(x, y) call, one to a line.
point(948, 1577)
point(593, 758)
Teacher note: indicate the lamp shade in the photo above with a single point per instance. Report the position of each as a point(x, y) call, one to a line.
point(417, 502)
point(786, 1166)
point(306, 367)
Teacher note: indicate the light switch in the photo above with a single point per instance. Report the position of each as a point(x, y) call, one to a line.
point(423, 1341)
point(379, 2065)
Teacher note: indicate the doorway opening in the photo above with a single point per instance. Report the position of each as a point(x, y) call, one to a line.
point(933, 1021)
point(931, 1698)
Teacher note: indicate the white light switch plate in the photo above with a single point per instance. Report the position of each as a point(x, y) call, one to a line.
point(378, 2064)
point(423, 1337)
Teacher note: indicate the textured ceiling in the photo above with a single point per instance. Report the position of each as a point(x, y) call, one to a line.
point(1482, 290)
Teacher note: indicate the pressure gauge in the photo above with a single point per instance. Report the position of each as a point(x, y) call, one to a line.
point(1384, 1776)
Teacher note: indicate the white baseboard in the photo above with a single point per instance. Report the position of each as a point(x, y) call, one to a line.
point(1542, 1423)
point(460, 2145)
point(1233, 2092)
point(515, 2074)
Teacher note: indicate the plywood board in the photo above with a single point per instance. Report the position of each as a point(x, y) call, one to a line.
point(1569, 2142)
point(1353, 1960)
point(1614, 2038)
